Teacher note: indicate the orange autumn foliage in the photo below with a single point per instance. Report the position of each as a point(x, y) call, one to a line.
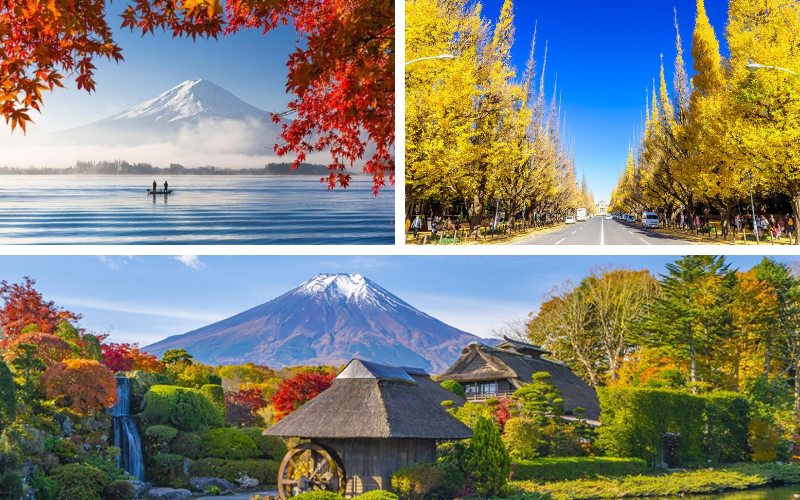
point(49, 348)
point(24, 306)
point(81, 385)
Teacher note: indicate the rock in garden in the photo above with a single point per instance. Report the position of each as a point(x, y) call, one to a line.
point(168, 494)
point(204, 483)
point(141, 488)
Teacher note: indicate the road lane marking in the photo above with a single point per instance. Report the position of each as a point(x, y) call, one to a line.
point(643, 241)
point(573, 232)
point(560, 241)
point(602, 225)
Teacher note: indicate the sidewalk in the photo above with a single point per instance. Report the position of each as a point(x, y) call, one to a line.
point(710, 240)
point(498, 239)
point(239, 496)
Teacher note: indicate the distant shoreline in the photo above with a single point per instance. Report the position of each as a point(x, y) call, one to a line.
point(119, 167)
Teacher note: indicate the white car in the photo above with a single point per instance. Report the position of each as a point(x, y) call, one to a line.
point(570, 219)
point(650, 219)
point(609, 217)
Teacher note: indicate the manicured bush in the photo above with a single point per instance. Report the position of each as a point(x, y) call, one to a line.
point(167, 469)
point(269, 446)
point(216, 395)
point(187, 444)
point(119, 490)
point(487, 462)
point(319, 495)
point(11, 486)
point(455, 388)
point(229, 444)
point(79, 482)
point(185, 409)
point(265, 471)
point(417, 481)
point(550, 469)
point(107, 466)
point(378, 495)
point(161, 433)
point(635, 418)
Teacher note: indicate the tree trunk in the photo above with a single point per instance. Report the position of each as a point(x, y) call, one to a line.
point(794, 187)
point(475, 214)
point(693, 356)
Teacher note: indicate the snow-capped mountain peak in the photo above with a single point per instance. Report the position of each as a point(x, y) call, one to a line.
point(352, 288)
point(192, 98)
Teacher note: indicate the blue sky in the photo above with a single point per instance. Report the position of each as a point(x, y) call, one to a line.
point(606, 54)
point(250, 65)
point(146, 298)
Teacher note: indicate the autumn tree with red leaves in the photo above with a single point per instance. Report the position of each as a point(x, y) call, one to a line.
point(24, 306)
point(241, 407)
point(127, 357)
point(342, 79)
point(295, 392)
point(82, 385)
point(48, 348)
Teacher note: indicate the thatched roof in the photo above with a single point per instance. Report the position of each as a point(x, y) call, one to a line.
point(531, 350)
point(480, 362)
point(371, 400)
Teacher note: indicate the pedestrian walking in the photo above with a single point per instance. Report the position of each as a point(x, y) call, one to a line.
point(737, 223)
point(416, 225)
point(697, 221)
point(682, 221)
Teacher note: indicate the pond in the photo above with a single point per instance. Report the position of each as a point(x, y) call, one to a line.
point(767, 493)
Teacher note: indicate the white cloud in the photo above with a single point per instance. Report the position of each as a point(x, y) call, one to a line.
point(190, 261)
point(116, 261)
point(140, 309)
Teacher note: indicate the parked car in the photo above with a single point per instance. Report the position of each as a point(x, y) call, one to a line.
point(570, 219)
point(609, 217)
point(650, 219)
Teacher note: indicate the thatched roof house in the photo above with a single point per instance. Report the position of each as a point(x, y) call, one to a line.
point(488, 372)
point(377, 418)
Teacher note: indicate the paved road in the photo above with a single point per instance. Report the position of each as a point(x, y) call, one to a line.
point(599, 231)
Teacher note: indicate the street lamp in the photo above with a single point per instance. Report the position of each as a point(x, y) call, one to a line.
point(755, 67)
point(442, 56)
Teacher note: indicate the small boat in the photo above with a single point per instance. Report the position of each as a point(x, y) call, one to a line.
point(159, 191)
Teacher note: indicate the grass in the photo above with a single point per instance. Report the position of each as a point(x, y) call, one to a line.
point(730, 477)
point(498, 238)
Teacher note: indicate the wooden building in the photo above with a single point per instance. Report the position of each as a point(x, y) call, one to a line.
point(495, 372)
point(374, 420)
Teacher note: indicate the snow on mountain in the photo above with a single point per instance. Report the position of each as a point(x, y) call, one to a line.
point(328, 319)
point(191, 99)
point(196, 112)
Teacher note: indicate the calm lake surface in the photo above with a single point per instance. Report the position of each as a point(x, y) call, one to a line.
point(777, 493)
point(203, 210)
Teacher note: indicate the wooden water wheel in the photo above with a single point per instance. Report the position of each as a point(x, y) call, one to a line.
point(311, 467)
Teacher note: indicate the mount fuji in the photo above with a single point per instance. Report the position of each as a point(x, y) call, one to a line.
point(328, 319)
point(195, 108)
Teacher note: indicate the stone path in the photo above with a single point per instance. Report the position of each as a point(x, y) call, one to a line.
point(245, 496)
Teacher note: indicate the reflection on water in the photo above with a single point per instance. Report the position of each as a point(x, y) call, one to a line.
point(777, 493)
point(202, 210)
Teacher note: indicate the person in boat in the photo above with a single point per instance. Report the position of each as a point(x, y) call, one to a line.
point(166, 186)
point(155, 186)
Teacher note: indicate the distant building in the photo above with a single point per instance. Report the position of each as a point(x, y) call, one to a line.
point(602, 208)
point(494, 372)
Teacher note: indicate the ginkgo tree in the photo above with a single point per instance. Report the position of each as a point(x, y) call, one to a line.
point(341, 77)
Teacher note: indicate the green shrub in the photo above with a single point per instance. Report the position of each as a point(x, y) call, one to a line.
point(455, 388)
point(119, 490)
point(107, 467)
point(187, 444)
point(65, 451)
point(213, 490)
point(79, 482)
point(378, 495)
point(229, 444)
point(11, 486)
point(167, 469)
point(265, 471)
point(487, 462)
point(319, 495)
point(161, 433)
point(551, 469)
point(417, 481)
point(44, 487)
point(216, 395)
point(269, 446)
point(522, 438)
point(452, 480)
point(185, 409)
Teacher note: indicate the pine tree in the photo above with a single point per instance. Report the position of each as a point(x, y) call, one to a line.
point(488, 463)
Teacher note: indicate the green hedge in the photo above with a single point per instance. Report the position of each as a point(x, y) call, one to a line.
point(228, 443)
point(378, 495)
point(79, 482)
point(319, 495)
point(167, 469)
point(271, 447)
point(266, 471)
point(553, 469)
point(711, 427)
point(216, 395)
point(185, 409)
point(187, 444)
point(161, 433)
point(455, 388)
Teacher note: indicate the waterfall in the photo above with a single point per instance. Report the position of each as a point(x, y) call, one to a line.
point(126, 436)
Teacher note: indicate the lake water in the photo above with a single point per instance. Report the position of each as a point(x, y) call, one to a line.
point(776, 493)
point(203, 210)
